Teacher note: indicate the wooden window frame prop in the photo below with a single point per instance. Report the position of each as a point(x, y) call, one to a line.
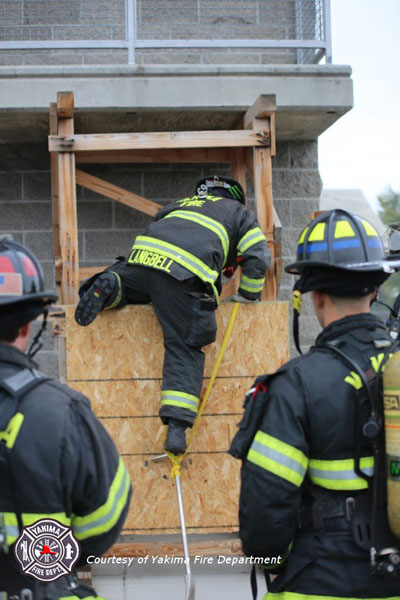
point(251, 145)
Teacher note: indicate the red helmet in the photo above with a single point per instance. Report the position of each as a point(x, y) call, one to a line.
point(22, 297)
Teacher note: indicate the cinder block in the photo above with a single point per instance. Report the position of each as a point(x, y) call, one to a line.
point(95, 215)
point(48, 58)
point(302, 209)
point(227, 58)
point(17, 216)
point(48, 273)
point(24, 157)
point(281, 159)
point(283, 208)
point(37, 186)
point(11, 58)
point(304, 155)
point(305, 183)
point(111, 57)
point(167, 58)
point(170, 185)
point(41, 244)
point(106, 245)
point(129, 218)
point(10, 188)
point(289, 241)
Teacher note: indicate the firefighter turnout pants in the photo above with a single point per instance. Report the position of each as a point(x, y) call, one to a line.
point(186, 312)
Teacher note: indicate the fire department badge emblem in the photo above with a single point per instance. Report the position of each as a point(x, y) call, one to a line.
point(47, 550)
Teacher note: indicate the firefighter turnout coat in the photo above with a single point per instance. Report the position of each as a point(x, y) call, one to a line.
point(201, 236)
point(64, 466)
point(300, 470)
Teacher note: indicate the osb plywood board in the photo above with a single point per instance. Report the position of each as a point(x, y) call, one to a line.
point(146, 435)
point(117, 363)
point(210, 488)
point(141, 397)
point(128, 344)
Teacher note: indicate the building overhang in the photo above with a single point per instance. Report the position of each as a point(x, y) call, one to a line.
point(309, 98)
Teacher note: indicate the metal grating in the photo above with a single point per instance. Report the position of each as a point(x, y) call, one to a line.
point(298, 25)
point(229, 19)
point(46, 20)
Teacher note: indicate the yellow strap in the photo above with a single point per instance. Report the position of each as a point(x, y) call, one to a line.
point(176, 459)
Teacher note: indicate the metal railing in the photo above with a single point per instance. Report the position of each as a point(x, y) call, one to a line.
point(296, 25)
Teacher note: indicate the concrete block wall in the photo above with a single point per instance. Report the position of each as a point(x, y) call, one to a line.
point(156, 19)
point(107, 229)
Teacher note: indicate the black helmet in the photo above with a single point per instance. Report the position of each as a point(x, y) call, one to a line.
point(338, 239)
point(224, 186)
point(22, 297)
point(338, 253)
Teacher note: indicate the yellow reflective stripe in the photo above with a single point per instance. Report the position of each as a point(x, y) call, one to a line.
point(340, 474)
point(119, 295)
point(104, 518)
point(252, 285)
point(207, 222)
point(11, 522)
point(185, 259)
point(296, 596)
point(354, 379)
point(249, 239)
point(343, 229)
point(182, 399)
point(279, 458)
point(82, 598)
point(302, 235)
point(318, 233)
point(369, 229)
point(12, 431)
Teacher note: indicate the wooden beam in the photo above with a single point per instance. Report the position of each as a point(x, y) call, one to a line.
point(206, 547)
point(109, 190)
point(54, 198)
point(263, 107)
point(187, 155)
point(163, 140)
point(65, 105)
point(264, 204)
point(68, 222)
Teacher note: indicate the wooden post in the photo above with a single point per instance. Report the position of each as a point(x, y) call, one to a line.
point(263, 195)
point(54, 199)
point(67, 211)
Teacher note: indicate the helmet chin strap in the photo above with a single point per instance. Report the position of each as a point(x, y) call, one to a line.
point(37, 341)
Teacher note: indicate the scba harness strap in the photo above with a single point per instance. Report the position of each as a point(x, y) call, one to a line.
point(15, 388)
point(367, 515)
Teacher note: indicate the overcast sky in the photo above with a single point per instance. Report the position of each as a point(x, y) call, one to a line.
point(362, 150)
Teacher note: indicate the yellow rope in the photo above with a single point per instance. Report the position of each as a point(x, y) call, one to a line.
point(176, 459)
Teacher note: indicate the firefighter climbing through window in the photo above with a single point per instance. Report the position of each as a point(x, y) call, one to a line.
point(56, 459)
point(177, 265)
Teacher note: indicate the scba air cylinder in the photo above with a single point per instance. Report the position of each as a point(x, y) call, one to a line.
point(391, 396)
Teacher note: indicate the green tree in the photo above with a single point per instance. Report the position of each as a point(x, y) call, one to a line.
point(390, 206)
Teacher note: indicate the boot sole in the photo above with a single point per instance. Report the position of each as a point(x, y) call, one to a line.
point(90, 305)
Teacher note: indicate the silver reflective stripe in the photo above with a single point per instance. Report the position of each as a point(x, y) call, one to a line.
point(183, 399)
point(278, 457)
point(339, 475)
point(104, 518)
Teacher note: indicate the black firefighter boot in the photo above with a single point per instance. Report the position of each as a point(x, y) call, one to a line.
point(99, 294)
point(176, 440)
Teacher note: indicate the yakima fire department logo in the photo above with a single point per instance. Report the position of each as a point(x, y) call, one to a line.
point(47, 550)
